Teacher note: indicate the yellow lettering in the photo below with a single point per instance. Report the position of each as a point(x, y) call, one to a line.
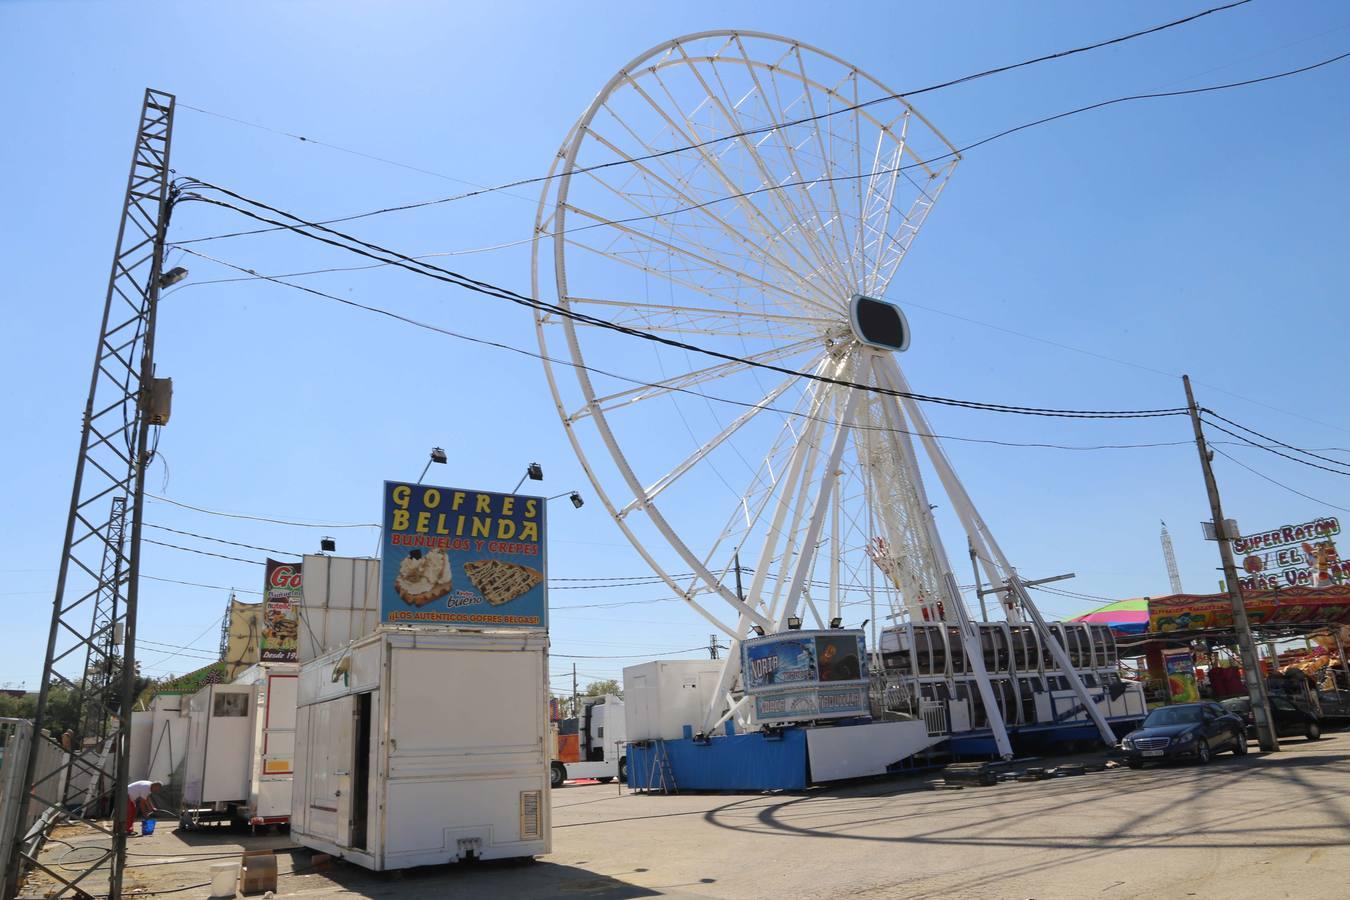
point(400, 518)
point(423, 522)
point(481, 528)
point(459, 527)
point(531, 508)
point(484, 504)
point(456, 500)
point(402, 494)
point(529, 531)
point(508, 504)
point(506, 529)
point(431, 498)
point(440, 525)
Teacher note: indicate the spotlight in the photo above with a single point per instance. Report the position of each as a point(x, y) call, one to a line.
point(836, 622)
point(327, 545)
point(576, 500)
point(758, 629)
point(437, 455)
point(794, 623)
point(535, 472)
point(172, 277)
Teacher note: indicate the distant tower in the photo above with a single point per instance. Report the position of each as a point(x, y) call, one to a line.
point(1170, 555)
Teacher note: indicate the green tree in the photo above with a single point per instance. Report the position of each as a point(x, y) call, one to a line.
point(600, 688)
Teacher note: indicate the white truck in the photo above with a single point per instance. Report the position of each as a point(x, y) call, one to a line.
point(592, 745)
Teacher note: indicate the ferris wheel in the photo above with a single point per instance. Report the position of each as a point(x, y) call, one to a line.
point(745, 200)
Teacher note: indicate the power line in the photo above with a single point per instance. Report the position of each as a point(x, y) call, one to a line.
point(346, 301)
point(206, 537)
point(1269, 449)
point(488, 289)
point(1279, 484)
point(1281, 443)
point(274, 521)
point(524, 182)
point(202, 552)
point(216, 587)
point(629, 655)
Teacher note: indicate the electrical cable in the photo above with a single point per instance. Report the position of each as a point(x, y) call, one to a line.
point(205, 537)
point(1279, 484)
point(274, 521)
point(524, 182)
point(215, 587)
point(255, 562)
point(808, 183)
point(741, 403)
point(629, 655)
point(1252, 443)
point(445, 275)
point(1266, 437)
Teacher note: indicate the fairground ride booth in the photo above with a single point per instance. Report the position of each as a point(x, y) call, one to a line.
point(1187, 632)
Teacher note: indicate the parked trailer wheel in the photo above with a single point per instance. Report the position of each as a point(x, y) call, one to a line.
point(623, 769)
point(606, 779)
point(557, 775)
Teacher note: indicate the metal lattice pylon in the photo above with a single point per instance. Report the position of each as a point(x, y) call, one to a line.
point(96, 585)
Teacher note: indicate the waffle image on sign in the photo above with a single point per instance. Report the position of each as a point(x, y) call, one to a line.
point(501, 582)
point(423, 579)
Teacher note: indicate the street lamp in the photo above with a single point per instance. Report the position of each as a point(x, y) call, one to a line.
point(172, 277)
point(437, 456)
point(575, 496)
point(327, 545)
point(533, 471)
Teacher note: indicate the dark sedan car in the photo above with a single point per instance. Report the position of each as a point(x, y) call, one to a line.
point(1185, 731)
point(1290, 720)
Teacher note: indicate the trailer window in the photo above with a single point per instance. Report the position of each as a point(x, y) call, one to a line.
point(229, 706)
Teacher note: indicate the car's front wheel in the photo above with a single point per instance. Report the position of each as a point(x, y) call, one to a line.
point(1202, 752)
point(1314, 731)
point(1240, 744)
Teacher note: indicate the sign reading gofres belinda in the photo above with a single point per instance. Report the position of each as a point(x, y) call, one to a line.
point(452, 556)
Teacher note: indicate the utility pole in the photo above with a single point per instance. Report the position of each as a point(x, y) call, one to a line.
point(712, 646)
point(576, 708)
point(1251, 666)
point(100, 558)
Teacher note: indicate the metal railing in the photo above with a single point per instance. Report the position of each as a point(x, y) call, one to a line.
point(18, 814)
point(934, 713)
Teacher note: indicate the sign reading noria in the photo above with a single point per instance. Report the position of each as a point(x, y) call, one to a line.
point(452, 556)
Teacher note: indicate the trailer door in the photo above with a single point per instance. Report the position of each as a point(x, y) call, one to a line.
point(329, 773)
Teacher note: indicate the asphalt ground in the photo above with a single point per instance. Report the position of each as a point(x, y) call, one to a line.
point(1266, 825)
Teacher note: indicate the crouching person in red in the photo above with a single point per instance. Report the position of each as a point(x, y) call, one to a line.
point(139, 801)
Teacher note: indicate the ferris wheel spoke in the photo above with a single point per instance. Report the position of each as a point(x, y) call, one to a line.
point(665, 481)
point(688, 380)
point(739, 322)
point(842, 253)
point(703, 262)
point(781, 198)
point(758, 253)
point(769, 231)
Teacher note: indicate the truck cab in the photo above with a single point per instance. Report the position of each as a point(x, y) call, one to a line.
point(593, 744)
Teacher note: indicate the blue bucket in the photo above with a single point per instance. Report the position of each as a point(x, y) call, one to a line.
point(147, 827)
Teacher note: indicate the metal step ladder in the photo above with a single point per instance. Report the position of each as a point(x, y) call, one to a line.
point(660, 776)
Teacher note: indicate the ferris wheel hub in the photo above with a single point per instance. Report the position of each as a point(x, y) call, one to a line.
point(878, 324)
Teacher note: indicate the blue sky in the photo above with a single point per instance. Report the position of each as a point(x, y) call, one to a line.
point(1202, 234)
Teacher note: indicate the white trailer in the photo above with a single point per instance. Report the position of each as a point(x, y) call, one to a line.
point(241, 743)
point(594, 744)
point(273, 748)
point(421, 747)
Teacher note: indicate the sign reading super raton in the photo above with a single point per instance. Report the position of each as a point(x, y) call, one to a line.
point(451, 556)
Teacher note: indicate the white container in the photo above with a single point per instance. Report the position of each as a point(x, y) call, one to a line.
point(220, 738)
point(160, 740)
point(419, 748)
point(341, 603)
point(224, 879)
point(660, 698)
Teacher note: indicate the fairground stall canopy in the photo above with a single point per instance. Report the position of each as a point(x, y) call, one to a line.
point(1122, 617)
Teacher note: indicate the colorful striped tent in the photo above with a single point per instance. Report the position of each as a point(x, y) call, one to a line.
point(1123, 616)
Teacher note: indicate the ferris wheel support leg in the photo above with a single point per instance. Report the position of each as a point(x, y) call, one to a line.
point(979, 533)
point(807, 556)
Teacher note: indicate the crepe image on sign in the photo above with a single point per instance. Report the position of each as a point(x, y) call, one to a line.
point(501, 582)
point(424, 579)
